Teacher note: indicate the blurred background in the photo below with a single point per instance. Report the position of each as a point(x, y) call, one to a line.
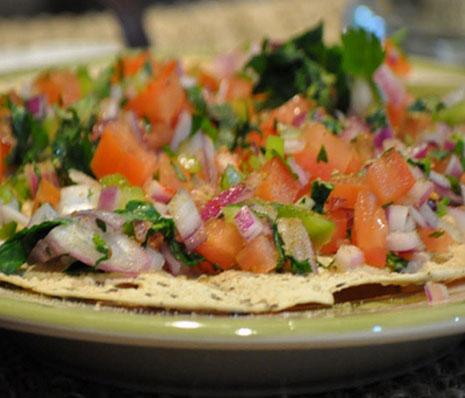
point(40, 32)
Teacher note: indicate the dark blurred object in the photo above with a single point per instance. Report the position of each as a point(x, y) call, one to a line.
point(130, 13)
point(435, 28)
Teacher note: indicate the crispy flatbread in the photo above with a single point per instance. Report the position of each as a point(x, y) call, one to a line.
point(230, 291)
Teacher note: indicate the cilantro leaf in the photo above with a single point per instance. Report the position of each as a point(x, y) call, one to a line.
point(16, 250)
point(396, 263)
point(320, 192)
point(31, 137)
point(362, 52)
point(102, 247)
point(141, 211)
point(322, 155)
point(72, 147)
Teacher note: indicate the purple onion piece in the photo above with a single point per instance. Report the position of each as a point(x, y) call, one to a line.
point(429, 215)
point(109, 198)
point(420, 151)
point(299, 119)
point(248, 224)
point(158, 192)
point(195, 239)
point(454, 167)
point(172, 265)
point(302, 175)
point(181, 130)
point(235, 194)
point(37, 106)
point(381, 135)
point(185, 215)
point(112, 220)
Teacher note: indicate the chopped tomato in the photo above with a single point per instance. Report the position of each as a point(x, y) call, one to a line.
point(389, 177)
point(370, 229)
point(345, 192)
point(47, 193)
point(161, 102)
point(278, 183)
point(60, 87)
point(436, 240)
point(119, 152)
point(223, 243)
point(289, 112)
point(396, 113)
point(395, 59)
point(130, 65)
point(237, 88)
point(258, 256)
point(325, 153)
point(340, 218)
point(205, 267)
point(208, 81)
point(167, 174)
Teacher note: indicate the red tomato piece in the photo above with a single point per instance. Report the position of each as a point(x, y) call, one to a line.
point(389, 177)
point(370, 229)
point(435, 240)
point(119, 152)
point(278, 183)
point(258, 256)
point(340, 218)
point(223, 243)
point(60, 87)
point(339, 154)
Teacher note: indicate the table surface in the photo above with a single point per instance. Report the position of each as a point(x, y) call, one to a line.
point(219, 26)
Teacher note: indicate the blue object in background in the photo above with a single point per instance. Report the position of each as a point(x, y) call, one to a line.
point(366, 19)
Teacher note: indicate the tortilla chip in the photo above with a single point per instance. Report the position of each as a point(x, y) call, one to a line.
point(231, 291)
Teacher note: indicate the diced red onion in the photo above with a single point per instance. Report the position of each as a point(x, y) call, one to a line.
point(302, 175)
point(136, 128)
point(403, 241)
point(182, 129)
point(420, 151)
point(417, 262)
point(392, 88)
point(78, 177)
point(31, 178)
point(173, 265)
point(448, 193)
point(294, 145)
point(349, 257)
point(235, 194)
point(10, 214)
point(439, 179)
point(185, 214)
point(417, 217)
point(76, 240)
point(112, 220)
point(418, 194)
point(44, 213)
point(248, 224)
point(109, 198)
point(397, 217)
point(37, 106)
point(209, 153)
point(76, 198)
point(382, 135)
point(193, 241)
point(429, 215)
point(40, 254)
point(296, 240)
point(454, 167)
point(449, 145)
point(158, 192)
point(353, 127)
point(436, 292)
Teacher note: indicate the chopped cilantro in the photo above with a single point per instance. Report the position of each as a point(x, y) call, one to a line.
point(178, 171)
point(102, 247)
point(362, 52)
point(101, 224)
point(377, 120)
point(396, 263)
point(322, 155)
point(436, 234)
point(442, 206)
point(320, 192)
